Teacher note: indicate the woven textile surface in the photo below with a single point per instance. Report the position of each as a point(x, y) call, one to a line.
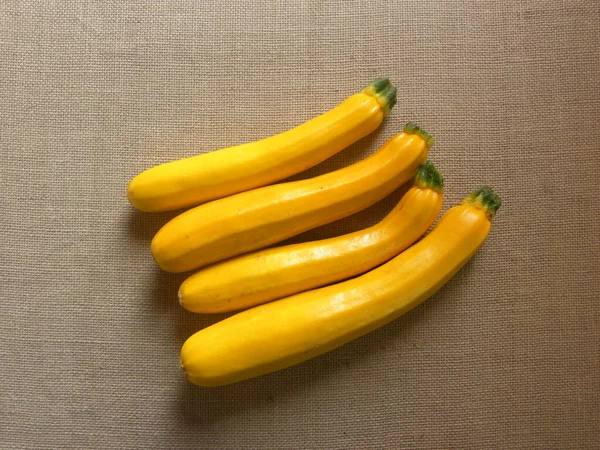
point(505, 356)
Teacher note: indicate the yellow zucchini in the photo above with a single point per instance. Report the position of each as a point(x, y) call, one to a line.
point(279, 334)
point(255, 219)
point(270, 274)
point(198, 179)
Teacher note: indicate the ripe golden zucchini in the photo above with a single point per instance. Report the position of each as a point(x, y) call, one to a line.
point(198, 179)
point(255, 219)
point(270, 274)
point(279, 334)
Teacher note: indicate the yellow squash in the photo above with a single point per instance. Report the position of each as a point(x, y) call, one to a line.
point(255, 219)
point(274, 273)
point(198, 179)
point(279, 334)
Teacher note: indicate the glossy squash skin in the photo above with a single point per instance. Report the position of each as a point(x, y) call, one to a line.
point(285, 332)
point(267, 275)
point(258, 218)
point(209, 176)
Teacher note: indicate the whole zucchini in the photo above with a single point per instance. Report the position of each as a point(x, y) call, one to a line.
point(274, 273)
point(209, 176)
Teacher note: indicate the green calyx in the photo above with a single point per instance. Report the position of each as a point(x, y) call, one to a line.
point(411, 128)
point(428, 177)
point(486, 199)
point(384, 92)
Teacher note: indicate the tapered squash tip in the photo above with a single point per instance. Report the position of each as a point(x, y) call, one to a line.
point(411, 128)
point(486, 199)
point(428, 177)
point(384, 92)
point(132, 193)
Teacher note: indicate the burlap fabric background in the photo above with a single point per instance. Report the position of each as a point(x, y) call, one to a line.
point(506, 356)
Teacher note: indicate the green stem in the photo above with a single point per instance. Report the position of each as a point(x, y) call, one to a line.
point(428, 177)
point(485, 199)
point(411, 128)
point(384, 92)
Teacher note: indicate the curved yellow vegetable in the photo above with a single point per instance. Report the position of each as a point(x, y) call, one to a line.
point(279, 334)
point(274, 273)
point(191, 181)
point(255, 219)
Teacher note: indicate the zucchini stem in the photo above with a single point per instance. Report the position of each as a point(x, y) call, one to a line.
point(384, 92)
point(411, 128)
point(486, 199)
point(428, 177)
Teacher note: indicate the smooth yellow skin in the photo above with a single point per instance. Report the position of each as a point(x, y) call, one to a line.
point(255, 219)
point(270, 274)
point(199, 179)
point(279, 334)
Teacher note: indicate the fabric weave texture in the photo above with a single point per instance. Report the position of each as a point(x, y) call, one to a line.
point(505, 356)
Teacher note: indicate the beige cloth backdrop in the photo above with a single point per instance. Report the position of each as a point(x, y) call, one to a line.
point(505, 356)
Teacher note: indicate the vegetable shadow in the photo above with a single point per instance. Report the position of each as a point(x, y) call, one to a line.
point(143, 226)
